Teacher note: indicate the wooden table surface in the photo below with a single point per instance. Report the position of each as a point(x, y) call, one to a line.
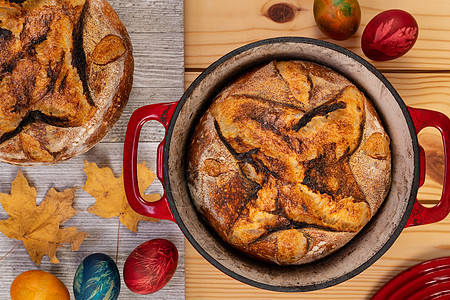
point(421, 77)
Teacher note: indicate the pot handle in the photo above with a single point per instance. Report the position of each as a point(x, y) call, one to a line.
point(420, 214)
point(162, 113)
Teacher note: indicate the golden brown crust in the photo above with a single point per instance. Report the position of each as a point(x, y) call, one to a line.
point(65, 76)
point(278, 164)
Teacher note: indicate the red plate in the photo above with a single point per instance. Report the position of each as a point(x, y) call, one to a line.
point(427, 280)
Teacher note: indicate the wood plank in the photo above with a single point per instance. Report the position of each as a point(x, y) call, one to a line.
point(150, 16)
point(429, 91)
point(413, 246)
point(213, 28)
point(157, 60)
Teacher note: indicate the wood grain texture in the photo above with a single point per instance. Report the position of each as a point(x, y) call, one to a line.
point(214, 28)
point(156, 31)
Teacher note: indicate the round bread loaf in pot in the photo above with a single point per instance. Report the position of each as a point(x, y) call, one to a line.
point(65, 77)
point(289, 162)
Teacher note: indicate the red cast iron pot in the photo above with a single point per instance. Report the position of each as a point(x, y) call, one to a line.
point(399, 209)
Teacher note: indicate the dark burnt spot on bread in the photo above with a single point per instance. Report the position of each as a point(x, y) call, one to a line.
point(62, 84)
point(53, 73)
point(5, 35)
point(322, 110)
point(327, 175)
point(79, 56)
point(16, 1)
point(55, 121)
point(22, 90)
point(232, 198)
point(10, 134)
point(6, 68)
point(36, 27)
point(257, 113)
point(294, 143)
point(247, 157)
point(32, 117)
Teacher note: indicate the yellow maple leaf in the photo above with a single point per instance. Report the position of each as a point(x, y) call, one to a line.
point(109, 192)
point(38, 226)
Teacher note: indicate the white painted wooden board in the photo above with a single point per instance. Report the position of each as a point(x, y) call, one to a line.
point(156, 31)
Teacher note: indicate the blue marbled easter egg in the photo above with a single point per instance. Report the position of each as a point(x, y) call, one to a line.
point(97, 277)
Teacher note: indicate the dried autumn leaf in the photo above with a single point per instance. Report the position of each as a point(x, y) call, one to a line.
point(110, 194)
point(38, 226)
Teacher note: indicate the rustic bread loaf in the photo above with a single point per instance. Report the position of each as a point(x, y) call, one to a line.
point(289, 162)
point(65, 76)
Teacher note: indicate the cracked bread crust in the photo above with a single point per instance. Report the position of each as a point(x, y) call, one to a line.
point(65, 77)
point(289, 162)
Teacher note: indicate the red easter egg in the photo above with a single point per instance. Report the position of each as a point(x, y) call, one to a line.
point(150, 266)
point(389, 35)
point(338, 19)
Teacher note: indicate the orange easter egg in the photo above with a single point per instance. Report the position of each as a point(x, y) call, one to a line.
point(38, 285)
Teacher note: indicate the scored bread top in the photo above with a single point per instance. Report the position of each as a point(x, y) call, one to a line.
point(52, 105)
point(289, 162)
